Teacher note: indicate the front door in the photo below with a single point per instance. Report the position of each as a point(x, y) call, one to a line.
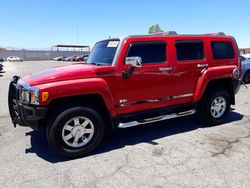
point(150, 86)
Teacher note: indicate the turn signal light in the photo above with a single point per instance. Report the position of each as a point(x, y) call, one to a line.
point(45, 96)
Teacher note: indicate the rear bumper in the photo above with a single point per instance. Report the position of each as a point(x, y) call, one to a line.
point(23, 114)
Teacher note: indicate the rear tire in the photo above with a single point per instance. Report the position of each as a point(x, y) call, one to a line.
point(214, 106)
point(76, 131)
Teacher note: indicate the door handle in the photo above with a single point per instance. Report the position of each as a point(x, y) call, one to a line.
point(202, 65)
point(166, 68)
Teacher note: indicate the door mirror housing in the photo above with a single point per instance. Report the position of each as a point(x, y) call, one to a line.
point(132, 62)
point(135, 61)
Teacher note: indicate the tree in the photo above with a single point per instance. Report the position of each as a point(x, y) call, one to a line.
point(155, 29)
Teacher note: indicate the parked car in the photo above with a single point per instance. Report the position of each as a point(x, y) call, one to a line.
point(70, 58)
point(126, 82)
point(245, 69)
point(82, 57)
point(1, 59)
point(59, 58)
point(14, 59)
point(247, 56)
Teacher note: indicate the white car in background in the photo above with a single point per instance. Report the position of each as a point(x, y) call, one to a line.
point(247, 56)
point(14, 59)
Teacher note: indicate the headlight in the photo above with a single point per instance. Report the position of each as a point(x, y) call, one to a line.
point(34, 97)
point(31, 97)
point(28, 94)
point(24, 96)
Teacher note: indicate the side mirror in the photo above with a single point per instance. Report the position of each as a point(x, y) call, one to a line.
point(133, 61)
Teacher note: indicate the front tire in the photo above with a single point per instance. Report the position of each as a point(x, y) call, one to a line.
point(215, 105)
point(76, 131)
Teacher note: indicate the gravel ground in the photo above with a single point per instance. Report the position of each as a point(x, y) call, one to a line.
point(175, 153)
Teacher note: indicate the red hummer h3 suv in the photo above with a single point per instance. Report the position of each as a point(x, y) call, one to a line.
point(127, 82)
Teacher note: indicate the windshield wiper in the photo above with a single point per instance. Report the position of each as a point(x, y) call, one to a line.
point(92, 63)
point(99, 63)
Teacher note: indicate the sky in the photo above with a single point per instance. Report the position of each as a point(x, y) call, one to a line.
point(44, 23)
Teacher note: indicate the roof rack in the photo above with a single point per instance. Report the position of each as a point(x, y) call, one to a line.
point(216, 34)
point(166, 33)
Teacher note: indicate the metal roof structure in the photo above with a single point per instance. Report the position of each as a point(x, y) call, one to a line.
point(74, 47)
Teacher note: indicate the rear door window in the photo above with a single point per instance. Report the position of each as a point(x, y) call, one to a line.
point(189, 50)
point(222, 50)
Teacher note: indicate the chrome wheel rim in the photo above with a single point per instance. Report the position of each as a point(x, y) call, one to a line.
point(78, 131)
point(218, 107)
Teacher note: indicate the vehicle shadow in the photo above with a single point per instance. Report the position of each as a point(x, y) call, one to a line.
point(124, 137)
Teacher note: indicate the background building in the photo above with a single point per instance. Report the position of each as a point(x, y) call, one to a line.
point(244, 50)
point(55, 51)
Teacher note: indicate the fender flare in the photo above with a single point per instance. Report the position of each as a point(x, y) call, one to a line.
point(71, 88)
point(211, 74)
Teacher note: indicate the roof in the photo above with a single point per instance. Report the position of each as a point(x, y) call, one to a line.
point(173, 33)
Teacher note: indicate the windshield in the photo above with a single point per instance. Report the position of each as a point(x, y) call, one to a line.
point(103, 53)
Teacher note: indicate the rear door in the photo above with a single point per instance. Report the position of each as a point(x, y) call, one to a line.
point(190, 60)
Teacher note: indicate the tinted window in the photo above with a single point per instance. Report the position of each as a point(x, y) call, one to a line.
point(189, 50)
point(222, 50)
point(150, 52)
point(103, 52)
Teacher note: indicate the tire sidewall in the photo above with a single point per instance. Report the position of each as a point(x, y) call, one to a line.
point(54, 133)
point(206, 107)
point(246, 77)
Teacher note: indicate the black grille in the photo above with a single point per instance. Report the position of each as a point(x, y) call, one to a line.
point(12, 100)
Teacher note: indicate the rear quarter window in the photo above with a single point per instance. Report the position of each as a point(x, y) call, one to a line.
point(222, 50)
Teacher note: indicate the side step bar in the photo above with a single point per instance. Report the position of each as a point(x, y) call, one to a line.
point(155, 119)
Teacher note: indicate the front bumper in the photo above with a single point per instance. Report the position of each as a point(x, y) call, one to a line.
point(23, 114)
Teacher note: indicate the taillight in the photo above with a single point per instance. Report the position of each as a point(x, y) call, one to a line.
point(236, 73)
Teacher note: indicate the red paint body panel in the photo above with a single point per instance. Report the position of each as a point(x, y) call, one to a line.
point(57, 74)
point(77, 87)
point(146, 83)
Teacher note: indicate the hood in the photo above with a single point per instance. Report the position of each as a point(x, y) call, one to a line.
point(69, 72)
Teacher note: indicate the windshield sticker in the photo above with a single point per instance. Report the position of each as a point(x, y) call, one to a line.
point(113, 44)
